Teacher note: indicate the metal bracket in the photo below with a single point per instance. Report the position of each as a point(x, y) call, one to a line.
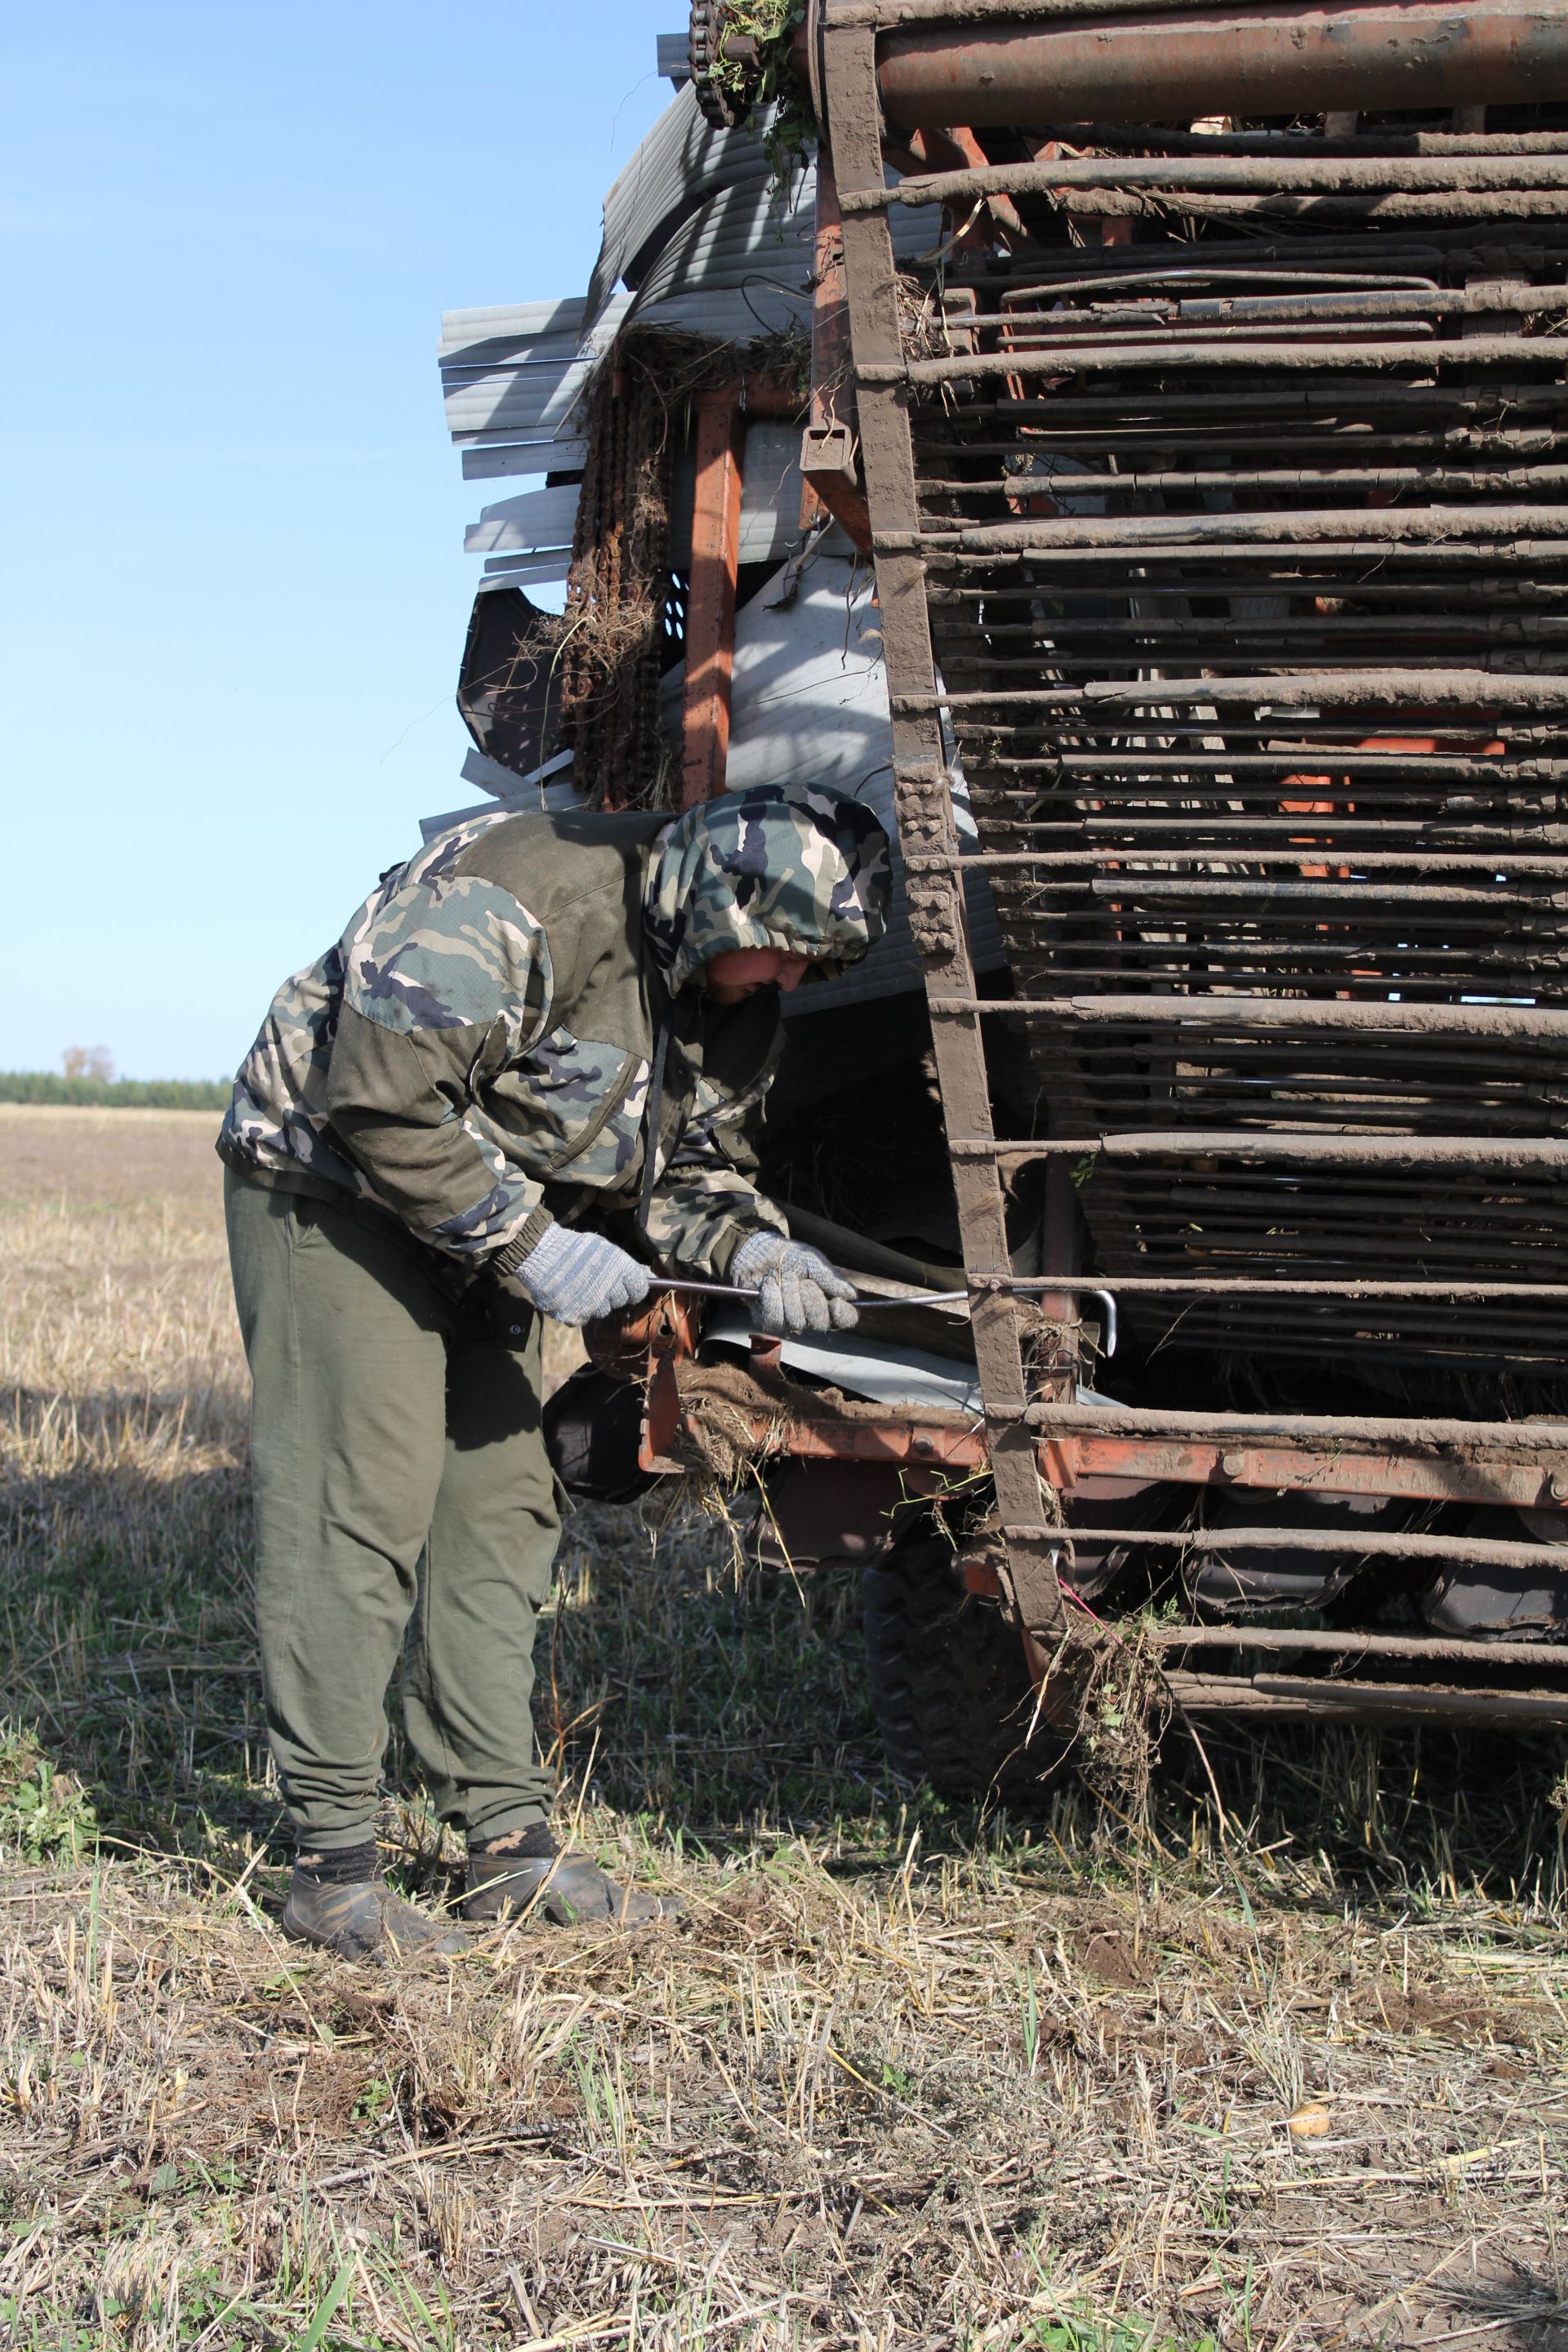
point(830, 449)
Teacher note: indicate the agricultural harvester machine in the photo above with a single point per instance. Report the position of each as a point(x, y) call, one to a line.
point(1213, 457)
point(1214, 468)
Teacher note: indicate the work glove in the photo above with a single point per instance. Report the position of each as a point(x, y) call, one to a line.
point(799, 1290)
point(576, 1277)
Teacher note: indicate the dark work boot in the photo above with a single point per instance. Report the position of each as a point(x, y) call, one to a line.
point(564, 1888)
point(357, 1916)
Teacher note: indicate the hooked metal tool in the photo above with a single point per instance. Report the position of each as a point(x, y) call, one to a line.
point(918, 1299)
point(862, 1298)
point(951, 1299)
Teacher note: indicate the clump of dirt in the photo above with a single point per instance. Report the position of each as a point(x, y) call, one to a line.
point(1419, 2011)
point(1110, 1955)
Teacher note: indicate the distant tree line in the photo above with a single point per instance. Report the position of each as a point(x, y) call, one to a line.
point(114, 1094)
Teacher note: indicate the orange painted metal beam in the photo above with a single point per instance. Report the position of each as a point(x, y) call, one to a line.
point(722, 411)
point(710, 598)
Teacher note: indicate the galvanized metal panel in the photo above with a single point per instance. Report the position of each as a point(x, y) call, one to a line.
point(463, 332)
point(505, 783)
point(516, 387)
point(550, 800)
point(539, 518)
point(916, 232)
point(513, 401)
point(887, 1372)
point(502, 459)
point(740, 266)
point(742, 231)
point(522, 571)
point(683, 159)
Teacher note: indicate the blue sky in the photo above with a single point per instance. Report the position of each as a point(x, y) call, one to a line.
point(233, 591)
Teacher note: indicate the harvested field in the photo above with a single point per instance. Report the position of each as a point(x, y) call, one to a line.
point(1287, 2074)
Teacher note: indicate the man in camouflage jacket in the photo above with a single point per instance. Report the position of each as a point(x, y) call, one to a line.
point(526, 1068)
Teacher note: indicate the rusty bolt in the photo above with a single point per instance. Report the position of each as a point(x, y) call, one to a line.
point(1557, 1487)
point(922, 1446)
point(1233, 1464)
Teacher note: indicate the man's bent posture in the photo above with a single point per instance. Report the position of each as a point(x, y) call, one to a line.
point(525, 1068)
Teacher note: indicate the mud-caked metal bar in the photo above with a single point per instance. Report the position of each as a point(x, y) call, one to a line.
point(1452, 1153)
point(1355, 1645)
point(1290, 1698)
point(829, 451)
point(1252, 61)
point(1284, 171)
point(854, 133)
point(1290, 1008)
point(1504, 1439)
point(1467, 691)
point(1321, 1543)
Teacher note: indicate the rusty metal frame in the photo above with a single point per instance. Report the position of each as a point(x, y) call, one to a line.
point(721, 412)
point(863, 71)
point(943, 1445)
point(1073, 1460)
point(925, 804)
point(1303, 1698)
point(829, 450)
point(710, 597)
point(1254, 60)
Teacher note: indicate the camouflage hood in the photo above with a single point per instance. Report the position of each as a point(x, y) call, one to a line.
point(801, 868)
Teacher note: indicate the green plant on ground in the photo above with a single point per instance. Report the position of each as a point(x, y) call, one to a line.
point(45, 1813)
point(1082, 2333)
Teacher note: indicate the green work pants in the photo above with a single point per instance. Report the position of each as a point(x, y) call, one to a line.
point(402, 1496)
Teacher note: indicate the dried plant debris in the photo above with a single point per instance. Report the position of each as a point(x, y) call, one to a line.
point(1291, 2074)
point(623, 618)
point(947, 2104)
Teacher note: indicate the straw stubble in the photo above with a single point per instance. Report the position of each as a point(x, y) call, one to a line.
point(901, 2076)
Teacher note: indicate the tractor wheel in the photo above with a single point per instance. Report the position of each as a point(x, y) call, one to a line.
point(950, 1687)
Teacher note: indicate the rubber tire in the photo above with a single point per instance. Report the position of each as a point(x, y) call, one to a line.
point(950, 1687)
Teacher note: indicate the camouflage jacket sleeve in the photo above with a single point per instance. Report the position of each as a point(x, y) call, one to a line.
point(706, 1200)
point(444, 980)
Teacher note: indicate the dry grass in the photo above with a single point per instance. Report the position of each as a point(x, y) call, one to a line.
point(901, 2077)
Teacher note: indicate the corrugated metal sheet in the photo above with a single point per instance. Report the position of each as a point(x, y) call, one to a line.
point(504, 783)
point(516, 402)
point(731, 258)
point(744, 245)
point(472, 335)
point(746, 226)
point(741, 265)
point(915, 229)
point(538, 519)
point(518, 384)
point(682, 162)
point(524, 571)
point(552, 800)
point(506, 458)
point(718, 250)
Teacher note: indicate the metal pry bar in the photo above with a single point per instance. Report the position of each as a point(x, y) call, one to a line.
point(954, 1298)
